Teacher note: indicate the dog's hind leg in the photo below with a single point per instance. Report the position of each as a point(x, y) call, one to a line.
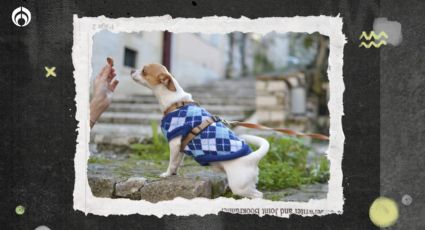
point(242, 178)
point(249, 191)
point(255, 193)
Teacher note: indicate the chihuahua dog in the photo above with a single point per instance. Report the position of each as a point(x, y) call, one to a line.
point(215, 145)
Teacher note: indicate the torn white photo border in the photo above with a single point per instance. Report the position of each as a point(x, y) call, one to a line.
point(84, 30)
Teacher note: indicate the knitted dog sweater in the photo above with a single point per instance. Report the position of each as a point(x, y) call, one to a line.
point(215, 143)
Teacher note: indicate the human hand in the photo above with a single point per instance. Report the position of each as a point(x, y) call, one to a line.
point(103, 88)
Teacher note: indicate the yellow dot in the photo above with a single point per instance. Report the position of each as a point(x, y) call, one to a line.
point(20, 210)
point(383, 212)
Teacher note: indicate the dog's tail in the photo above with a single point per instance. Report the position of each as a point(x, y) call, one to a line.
point(263, 146)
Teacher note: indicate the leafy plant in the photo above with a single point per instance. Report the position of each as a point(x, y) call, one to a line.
point(319, 170)
point(155, 148)
point(285, 165)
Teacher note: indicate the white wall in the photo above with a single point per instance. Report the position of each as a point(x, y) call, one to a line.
point(149, 50)
point(197, 59)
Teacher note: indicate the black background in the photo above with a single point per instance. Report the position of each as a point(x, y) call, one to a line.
point(38, 125)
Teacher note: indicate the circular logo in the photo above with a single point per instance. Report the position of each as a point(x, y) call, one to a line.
point(383, 212)
point(21, 16)
point(20, 210)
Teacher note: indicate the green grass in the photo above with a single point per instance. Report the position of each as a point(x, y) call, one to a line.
point(275, 197)
point(284, 166)
point(98, 160)
point(156, 149)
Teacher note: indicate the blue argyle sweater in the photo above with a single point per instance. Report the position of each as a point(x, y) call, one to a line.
point(215, 143)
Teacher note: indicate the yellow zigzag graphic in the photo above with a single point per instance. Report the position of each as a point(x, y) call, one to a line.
point(373, 34)
point(372, 43)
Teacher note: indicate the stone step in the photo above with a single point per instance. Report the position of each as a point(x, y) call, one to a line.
point(224, 95)
point(139, 180)
point(243, 90)
point(202, 101)
point(231, 92)
point(302, 194)
point(226, 84)
point(118, 130)
point(129, 118)
point(119, 137)
point(154, 108)
point(222, 86)
point(144, 118)
point(201, 94)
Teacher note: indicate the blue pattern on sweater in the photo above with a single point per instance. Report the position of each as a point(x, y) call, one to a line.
point(215, 143)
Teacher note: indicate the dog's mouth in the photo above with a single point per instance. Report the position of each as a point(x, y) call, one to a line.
point(137, 77)
point(133, 74)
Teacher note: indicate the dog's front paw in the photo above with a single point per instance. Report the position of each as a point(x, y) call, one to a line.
point(165, 174)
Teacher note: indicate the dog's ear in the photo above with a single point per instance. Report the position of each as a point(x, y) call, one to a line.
point(166, 79)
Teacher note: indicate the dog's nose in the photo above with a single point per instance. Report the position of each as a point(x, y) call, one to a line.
point(132, 71)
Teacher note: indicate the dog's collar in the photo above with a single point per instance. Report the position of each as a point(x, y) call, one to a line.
point(178, 105)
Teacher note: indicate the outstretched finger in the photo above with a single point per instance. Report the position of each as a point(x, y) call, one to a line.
point(111, 75)
point(104, 73)
point(113, 85)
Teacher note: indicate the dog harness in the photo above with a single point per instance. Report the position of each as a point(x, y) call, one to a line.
point(216, 142)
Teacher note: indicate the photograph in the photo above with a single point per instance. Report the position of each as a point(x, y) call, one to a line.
point(209, 115)
point(201, 115)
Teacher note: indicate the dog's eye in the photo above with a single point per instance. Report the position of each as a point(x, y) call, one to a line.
point(143, 71)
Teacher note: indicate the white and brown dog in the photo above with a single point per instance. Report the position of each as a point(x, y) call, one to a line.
point(215, 145)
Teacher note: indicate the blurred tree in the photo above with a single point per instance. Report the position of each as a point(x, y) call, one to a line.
point(229, 65)
point(242, 47)
point(261, 62)
point(317, 78)
point(312, 51)
point(320, 64)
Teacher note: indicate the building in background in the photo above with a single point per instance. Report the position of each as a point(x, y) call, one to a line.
point(192, 58)
point(198, 59)
point(282, 77)
point(129, 51)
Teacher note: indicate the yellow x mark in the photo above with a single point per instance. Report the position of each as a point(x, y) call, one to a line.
point(50, 71)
